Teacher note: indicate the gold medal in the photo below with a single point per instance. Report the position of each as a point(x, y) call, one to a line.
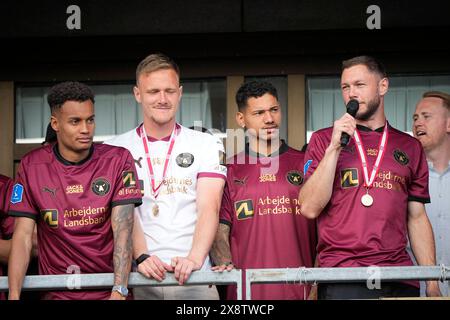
point(367, 200)
point(155, 210)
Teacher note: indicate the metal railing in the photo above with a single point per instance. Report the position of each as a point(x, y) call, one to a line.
point(360, 274)
point(252, 276)
point(106, 280)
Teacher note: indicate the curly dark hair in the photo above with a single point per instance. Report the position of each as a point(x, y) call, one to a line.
point(68, 91)
point(254, 89)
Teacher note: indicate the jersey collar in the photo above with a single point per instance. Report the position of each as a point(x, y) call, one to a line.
point(70, 163)
point(367, 129)
point(283, 148)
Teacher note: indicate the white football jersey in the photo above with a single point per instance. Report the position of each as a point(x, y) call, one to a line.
point(169, 233)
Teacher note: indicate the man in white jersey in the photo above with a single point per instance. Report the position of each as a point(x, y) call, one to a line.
point(182, 181)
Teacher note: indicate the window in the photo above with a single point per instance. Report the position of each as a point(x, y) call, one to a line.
point(324, 99)
point(117, 111)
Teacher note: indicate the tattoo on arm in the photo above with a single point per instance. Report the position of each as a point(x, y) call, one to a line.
point(220, 250)
point(122, 219)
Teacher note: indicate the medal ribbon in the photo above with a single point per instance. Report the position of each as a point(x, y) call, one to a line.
point(362, 156)
point(144, 138)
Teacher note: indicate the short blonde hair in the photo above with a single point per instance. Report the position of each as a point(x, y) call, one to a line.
point(445, 97)
point(156, 61)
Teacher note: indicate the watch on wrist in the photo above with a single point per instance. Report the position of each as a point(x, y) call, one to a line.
point(141, 258)
point(122, 290)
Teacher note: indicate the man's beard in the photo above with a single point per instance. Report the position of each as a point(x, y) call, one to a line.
point(372, 107)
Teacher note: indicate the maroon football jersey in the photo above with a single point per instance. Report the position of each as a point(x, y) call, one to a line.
point(6, 222)
point(72, 204)
point(267, 228)
point(352, 235)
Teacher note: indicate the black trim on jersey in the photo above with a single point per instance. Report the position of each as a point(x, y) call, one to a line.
point(70, 163)
point(423, 200)
point(363, 128)
point(226, 222)
point(23, 214)
point(137, 202)
point(283, 148)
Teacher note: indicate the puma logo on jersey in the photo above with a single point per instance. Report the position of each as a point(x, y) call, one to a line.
point(138, 162)
point(49, 190)
point(240, 181)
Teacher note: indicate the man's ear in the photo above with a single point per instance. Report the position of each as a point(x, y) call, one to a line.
point(54, 123)
point(383, 86)
point(240, 119)
point(137, 94)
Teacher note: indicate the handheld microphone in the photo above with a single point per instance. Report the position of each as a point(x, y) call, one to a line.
point(352, 109)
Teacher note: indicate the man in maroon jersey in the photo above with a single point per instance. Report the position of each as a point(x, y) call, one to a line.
point(369, 195)
point(6, 223)
point(260, 221)
point(81, 195)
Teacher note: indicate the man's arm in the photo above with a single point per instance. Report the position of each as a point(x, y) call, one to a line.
point(5, 248)
point(422, 241)
point(19, 257)
point(151, 267)
point(122, 220)
point(209, 196)
point(316, 192)
point(220, 250)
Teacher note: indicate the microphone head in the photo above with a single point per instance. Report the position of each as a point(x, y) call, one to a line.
point(352, 107)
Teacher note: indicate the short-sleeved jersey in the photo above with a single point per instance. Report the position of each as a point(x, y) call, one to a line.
point(352, 235)
point(6, 222)
point(195, 155)
point(267, 230)
point(72, 205)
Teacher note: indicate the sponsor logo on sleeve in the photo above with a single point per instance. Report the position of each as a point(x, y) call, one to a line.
point(128, 179)
point(17, 193)
point(101, 186)
point(349, 178)
point(294, 177)
point(244, 209)
point(50, 217)
point(401, 157)
point(185, 159)
point(306, 167)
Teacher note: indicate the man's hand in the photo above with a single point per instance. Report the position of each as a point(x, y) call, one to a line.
point(223, 267)
point(153, 267)
point(433, 289)
point(183, 267)
point(345, 124)
point(116, 296)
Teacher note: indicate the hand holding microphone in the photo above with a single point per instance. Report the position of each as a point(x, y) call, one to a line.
point(352, 109)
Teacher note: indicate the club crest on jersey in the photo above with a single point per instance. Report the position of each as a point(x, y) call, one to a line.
point(185, 159)
point(401, 157)
point(17, 193)
point(294, 177)
point(128, 179)
point(244, 209)
point(50, 217)
point(101, 186)
point(349, 178)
